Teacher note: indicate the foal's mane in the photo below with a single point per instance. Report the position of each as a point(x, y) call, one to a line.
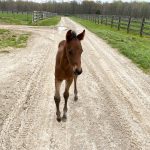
point(71, 35)
point(74, 35)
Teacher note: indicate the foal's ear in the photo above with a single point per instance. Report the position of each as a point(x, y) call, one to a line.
point(81, 35)
point(69, 36)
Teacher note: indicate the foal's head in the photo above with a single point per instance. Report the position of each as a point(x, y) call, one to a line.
point(74, 50)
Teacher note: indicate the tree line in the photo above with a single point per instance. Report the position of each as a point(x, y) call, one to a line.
point(134, 9)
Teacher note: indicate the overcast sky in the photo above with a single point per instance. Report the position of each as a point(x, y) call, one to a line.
point(95, 0)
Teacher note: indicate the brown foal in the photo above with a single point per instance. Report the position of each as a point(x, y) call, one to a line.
point(68, 67)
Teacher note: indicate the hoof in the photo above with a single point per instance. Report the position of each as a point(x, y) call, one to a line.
point(64, 118)
point(59, 119)
point(75, 98)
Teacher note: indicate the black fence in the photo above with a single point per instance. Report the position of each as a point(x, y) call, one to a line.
point(140, 26)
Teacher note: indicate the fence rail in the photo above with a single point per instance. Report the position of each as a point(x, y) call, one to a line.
point(140, 26)
point(40, 15)
point(15, 12)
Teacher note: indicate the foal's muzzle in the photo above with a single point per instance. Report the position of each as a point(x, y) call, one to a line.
point(77, 71)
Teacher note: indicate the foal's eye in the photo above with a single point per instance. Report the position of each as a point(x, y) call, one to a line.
point(70, 52)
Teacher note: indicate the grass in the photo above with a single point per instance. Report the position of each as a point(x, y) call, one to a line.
point(133, 46)
point(48, 22)
point(11, 39)
point(14, 18)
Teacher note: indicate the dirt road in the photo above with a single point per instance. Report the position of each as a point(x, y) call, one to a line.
point(113, 110)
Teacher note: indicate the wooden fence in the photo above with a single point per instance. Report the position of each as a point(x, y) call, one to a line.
point(140, 26)
point(40, 15)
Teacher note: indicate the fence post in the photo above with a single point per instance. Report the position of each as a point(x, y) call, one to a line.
point(142, 26)
point(106, 21)
point(27, 16)
point(119, 22)
point(112, 21)
point(102, 19)
point(95, 19)
point(98, 19)
point(33, 16)
point(128, 27)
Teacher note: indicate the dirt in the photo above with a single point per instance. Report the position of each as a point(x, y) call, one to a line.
point(114, 97)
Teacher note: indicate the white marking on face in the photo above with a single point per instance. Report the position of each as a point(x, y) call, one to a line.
point(74, 67)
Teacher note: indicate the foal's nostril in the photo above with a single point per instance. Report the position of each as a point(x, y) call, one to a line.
point(78, 72)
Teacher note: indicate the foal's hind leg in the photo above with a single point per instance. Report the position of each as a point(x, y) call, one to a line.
point(57, 98)
point(66, 96)
point(75, 88)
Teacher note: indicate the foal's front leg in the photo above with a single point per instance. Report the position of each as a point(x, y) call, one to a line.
point(75, 88)
point(57, 98)
point(66, 96)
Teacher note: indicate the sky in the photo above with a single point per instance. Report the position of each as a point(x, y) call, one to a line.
point(95, 0)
